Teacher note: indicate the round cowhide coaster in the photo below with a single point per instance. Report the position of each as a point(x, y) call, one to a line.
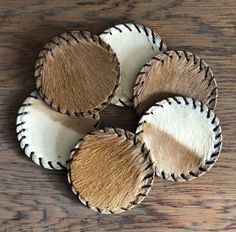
point(134, 45)
point(110, 170)
point(184, 137)
point(47, 136)
point(174, 73)
point(77, 73)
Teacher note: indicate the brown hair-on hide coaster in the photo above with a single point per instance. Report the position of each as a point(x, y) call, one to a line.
point(110, 170)
point(77, 73)
point(174, 73)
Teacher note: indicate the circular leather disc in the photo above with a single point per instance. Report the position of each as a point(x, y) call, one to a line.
point(77, 73)
point(174, 73)
point(110, 170)
point(47, 136)
point(134, 45)
point(184, 137)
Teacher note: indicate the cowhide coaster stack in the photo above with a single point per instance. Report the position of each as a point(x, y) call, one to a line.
point(111, 170)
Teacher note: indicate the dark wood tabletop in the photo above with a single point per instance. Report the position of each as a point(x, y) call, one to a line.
point(35, 199)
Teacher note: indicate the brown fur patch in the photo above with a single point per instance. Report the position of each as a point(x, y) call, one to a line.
point(169, 155)
point(79, 76)
point(108, 171)
point(174, 76)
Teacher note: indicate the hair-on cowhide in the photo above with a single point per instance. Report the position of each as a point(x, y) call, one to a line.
point(134, 45)
point(184, 137)
point(174, 73)
point(110, 170)
point(77, 73)
point(47, 136)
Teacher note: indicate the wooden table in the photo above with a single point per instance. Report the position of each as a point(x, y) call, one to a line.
point(34, 199)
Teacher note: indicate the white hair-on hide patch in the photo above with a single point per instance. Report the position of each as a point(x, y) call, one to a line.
point(47, 136)
point(134, 45)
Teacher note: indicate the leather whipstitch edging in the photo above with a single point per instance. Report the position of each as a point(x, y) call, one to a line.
point(140, 28)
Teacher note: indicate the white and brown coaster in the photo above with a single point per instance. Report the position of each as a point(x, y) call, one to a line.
point(77, 73)
point(110, 170)
point(47, 136)
point(184, 137)
point(174, 73)
point(134, 45)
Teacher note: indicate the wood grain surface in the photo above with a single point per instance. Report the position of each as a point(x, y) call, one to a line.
point(34, 199)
